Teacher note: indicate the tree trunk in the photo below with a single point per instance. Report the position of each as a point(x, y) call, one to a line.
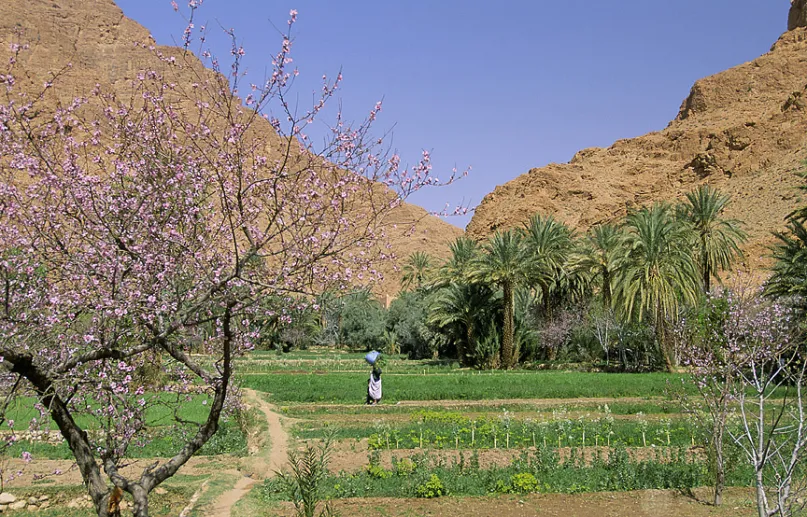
point(464, 348)
point(140, 497)
point(508, 330)
point(661, 337)
point(720, 461)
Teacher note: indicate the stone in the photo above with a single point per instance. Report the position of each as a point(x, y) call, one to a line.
point(160, 491)
point(32, 508)
point(33, 500)
point(19, 505)
point(798, 14)
point(6, 498)
point(44, 498)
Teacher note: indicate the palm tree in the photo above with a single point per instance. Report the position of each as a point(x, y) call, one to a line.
point(658, 273)
point(464, 251)
point(503, 264)
point(416, 270)
point(789, 278)
point(465, 308)
point(599, 256)
point(549, 243)
point(717, 239)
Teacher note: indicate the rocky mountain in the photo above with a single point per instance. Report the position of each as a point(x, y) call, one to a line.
point(97, 39)
point(743, 131)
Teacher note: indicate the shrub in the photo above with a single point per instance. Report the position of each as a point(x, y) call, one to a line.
point(523, 483)
point(431, 488)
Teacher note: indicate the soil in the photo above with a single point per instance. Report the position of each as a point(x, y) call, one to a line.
point(38, 469)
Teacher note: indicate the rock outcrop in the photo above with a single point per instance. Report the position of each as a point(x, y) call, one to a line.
point(743, 131)
point(798, 14)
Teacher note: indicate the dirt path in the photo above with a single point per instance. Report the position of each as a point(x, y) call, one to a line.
point(271, 456)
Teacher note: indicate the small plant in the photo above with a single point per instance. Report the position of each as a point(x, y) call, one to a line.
point(431, 488)
point(524, 483)
point(404, 467)
point(304, 483)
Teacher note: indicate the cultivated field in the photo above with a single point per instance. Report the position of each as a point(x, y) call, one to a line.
point(444, 441)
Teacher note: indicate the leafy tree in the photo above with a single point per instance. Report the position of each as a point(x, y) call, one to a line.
point(362, 321)
point(717, 240)
point(503, 264)
point(658, 274)
point(406, 318)
point(464, 251)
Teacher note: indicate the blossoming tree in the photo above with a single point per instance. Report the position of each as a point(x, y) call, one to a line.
point(148, 226)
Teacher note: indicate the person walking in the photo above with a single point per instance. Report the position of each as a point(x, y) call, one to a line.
point(374, 386)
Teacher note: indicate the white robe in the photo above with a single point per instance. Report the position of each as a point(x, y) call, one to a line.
point(375, 388)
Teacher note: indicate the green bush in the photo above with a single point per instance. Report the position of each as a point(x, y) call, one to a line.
point(431, 488)
point(524, 483)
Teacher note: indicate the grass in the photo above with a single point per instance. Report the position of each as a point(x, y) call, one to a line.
point(159, 413)
point(163, 443)
point(347, 388)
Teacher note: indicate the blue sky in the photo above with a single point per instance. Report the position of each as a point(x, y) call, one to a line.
point(500, 86)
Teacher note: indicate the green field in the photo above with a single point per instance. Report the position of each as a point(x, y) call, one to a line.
point(350, 388)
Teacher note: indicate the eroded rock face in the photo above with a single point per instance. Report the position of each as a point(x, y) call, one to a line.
point(743, 131)
point(798, 14)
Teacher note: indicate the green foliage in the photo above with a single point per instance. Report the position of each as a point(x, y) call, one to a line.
point(431, 488)
point(523, 483)
point(789, 276)
point(303, 483)
point(361, 322)
point(716, 239)
point(406, 319)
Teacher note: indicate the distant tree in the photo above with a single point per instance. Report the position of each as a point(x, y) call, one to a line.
point(464, 252)
point(362, 321)
point(462, 311)
point(407, 320)
point(548, 244)
point(717, 239)
point(658, 275)
point(599, 256)
point(503, 264)
point(789, 276)
point(416, 270)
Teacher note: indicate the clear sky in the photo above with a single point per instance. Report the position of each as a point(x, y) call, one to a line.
point(501, 86)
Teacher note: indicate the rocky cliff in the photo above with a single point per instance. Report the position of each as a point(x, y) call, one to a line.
point(98, 41)
point(743, 131)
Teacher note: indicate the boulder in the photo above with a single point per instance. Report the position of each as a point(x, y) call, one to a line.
point(19, 505)
point(6, 498)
